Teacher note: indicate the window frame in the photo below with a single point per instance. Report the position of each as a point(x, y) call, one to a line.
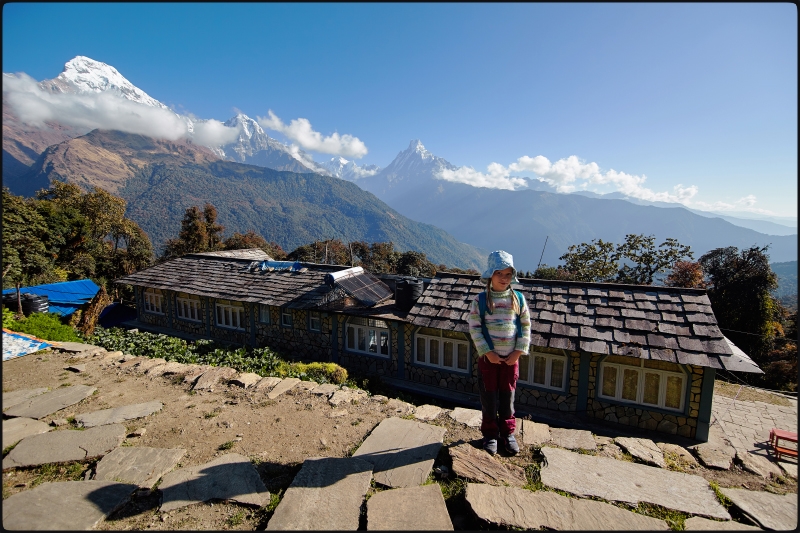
point(441, 339)
point(155, 307)
point(285, 312)
point(373, 327)
point(230, 307)
point(312, 318)
point(642, 371)
point(194, 304)
point(262, 310)
point(528, 380)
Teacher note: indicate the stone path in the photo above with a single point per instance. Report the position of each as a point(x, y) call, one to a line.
point(520, 508)
point(66, 445)
point(476, 464)
point(48, 403)
point(118, 414)
point(698, 523)
point(643, 449)
point(470, 417)
point(409, 509)
point(771, 511)
point(427, 412)
point(621, 481)
point(573, 439)
point(16, 429)
point(229, 477)
point(11, 399)
point(281, 387)
point(141, 466)
point(402, 451)
point(327, 493)
point(534, 433)
point(68, 505)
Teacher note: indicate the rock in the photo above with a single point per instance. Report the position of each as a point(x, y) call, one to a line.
point(140, 466)
point(573, 439)
point(631, 483)
point(16, 429)
point(67, 505)
point(337, 413)
point(75, 347)
point(305, 386)
point(58, 422)
point(611, 450)
point(282, 387)
point(131, 362)
point(267, 383)
point(11, 399)
point(789, 469)
point(477, 465)
point(42, 405)
point(114, 356)
point(698, 523)
point(245, 380)
point(327, 493)
point(194, 372)
point(380, 398)
point(169, 369)
point(118, 414)
point(139, 432)
point(409, 509)
point(209, 379)
point(76, 368)
point(228, 477)
point(64, 446)
point(643, 449)
point(683, 455)
point(144, 366)
point(534, 433)
point(343, 396)
point(520, 508)
point(427, 412)
point(758, 464)
point(717, 452)
point(470, 417)
point(770, 511)
point(326, 389)
point(398, 407)
point(402, 451)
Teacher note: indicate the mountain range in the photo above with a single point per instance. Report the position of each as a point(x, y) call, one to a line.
point(520, 221)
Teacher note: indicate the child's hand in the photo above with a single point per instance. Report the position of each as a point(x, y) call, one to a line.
point(513, 357)
point(493, 357)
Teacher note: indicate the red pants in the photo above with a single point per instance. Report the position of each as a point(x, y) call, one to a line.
point(497, 383)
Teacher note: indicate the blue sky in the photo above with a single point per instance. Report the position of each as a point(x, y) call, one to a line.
point(700, 99)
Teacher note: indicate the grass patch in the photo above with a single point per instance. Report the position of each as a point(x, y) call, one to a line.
point(236, 518)
point(726, 503)
point(226, 445)
point(210, 414)
point(8, 449)
point(58, 472)
point(749, 394)
point(674, 519)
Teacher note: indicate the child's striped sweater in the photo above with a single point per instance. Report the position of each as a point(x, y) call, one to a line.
point(501, 325)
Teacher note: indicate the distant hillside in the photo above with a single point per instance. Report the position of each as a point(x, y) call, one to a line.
point(787, 279)
point(160, 179)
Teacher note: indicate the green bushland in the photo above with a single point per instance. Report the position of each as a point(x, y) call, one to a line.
point(47, 326)
point(261, 361)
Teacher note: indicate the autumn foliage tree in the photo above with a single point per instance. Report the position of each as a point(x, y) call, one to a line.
point(687, 274)
point(199, 233)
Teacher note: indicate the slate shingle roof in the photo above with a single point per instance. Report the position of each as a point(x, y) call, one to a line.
point(664, 323)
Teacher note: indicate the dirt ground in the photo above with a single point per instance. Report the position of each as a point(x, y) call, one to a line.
point(277, 435)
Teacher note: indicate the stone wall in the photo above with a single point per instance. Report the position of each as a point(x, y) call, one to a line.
point(642, 417)
point(296, 342)
point(370, 365)
point(551, 399)
point(429, 375)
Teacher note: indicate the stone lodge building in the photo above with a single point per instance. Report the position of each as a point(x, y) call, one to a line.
point(643, 356)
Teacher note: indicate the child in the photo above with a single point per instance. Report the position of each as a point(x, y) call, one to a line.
point(500, 327)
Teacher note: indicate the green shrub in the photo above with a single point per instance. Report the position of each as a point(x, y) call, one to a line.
point(8, 317)
point(45, 326)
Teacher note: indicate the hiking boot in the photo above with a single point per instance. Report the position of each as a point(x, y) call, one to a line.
point(490, 445)
point(510, 444)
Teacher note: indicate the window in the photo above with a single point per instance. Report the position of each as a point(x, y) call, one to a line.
point(153, 301)
point(314, 321)
point(643, 381)
point(188, 307)
point(445, 349)
point(543, 370)
point(263, 313)
point(368, 335)
point(230, 315)
point(286, 318)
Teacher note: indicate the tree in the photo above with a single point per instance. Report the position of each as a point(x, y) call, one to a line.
point(413, 263)
point(646, 260)
point(739, 289)
point(547, 272)
point(687, 274)
point(199, 233)
point(596, 261)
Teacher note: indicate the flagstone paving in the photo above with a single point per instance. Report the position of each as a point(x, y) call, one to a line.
point(534, 433)
point(326, 389)
point(520, 508)
point(11, 399)
point(211, 378)
point(771, 511)
point(698, 523)
point(427, 412)
point(470, 417)
point(402, 451)
point(717, 452)
point(409, 509)
point(613, 480)
point(141, 466)
point(267, 383)
point(65, 445)
point(643, 449)
point(283, 386)
point(573, 439)
point(476, 464)
point(327, 493)
point(48, 403)
point(228, 477)
point(118, 414)
point(16, 429)
point(66, 505)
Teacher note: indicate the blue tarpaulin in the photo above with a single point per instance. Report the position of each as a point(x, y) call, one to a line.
point(65, 297)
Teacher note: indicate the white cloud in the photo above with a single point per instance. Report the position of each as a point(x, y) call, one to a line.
point(107, 111)
point(300, 131)
point(497, 178)
point(746, 203)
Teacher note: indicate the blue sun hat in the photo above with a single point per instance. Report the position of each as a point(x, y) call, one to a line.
point(499, 260)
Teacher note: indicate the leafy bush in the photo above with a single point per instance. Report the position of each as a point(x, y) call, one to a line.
point(261, 361)
point(8, 317)
point(45, 326)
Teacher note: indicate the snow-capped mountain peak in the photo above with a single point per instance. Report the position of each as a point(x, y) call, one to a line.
point(348, 170)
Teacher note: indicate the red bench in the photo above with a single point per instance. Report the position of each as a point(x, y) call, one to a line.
point(776, 436)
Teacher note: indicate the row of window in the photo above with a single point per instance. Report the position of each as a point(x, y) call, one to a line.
point(644, 382)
